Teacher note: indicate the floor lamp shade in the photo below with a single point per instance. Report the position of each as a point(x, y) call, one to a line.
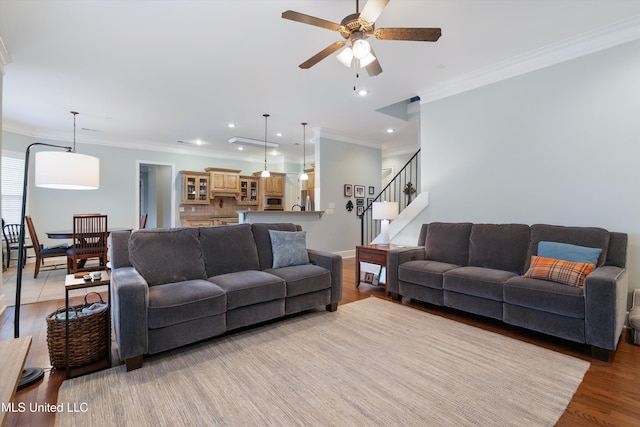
point(66, 170)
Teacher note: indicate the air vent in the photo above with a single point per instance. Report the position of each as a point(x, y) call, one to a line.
point(239, 140)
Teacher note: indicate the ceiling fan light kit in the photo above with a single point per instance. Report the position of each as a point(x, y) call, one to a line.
point(356, 28)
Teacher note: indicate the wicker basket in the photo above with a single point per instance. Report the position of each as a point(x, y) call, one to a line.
point(88, 335)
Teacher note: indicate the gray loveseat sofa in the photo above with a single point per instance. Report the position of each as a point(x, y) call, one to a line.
point(172, 287)
point(483, 269)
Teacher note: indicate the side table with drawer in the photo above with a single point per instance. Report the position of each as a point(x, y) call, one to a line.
point(372, 254)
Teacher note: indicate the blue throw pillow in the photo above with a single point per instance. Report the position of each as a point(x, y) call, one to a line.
point(567, 252)
point(288, 248)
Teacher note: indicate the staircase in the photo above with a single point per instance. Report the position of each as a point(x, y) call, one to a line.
point(403, 188)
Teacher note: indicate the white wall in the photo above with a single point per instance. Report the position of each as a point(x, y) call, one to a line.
point(559, 145)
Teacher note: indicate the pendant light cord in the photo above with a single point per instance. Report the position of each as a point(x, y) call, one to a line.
point(75, 113)
point(265, 140)
point(304, 146)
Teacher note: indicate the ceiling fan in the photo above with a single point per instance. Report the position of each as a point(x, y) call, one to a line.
point(356, 28)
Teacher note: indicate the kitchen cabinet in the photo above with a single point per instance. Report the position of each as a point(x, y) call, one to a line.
point(195, 187)
point(273, 185)
point(248, 190)
point(311, 182)
point(224, 181)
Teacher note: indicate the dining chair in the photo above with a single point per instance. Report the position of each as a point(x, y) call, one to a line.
point(41, 252)
point(143, 221)
point(11, 236)
point(89, 242)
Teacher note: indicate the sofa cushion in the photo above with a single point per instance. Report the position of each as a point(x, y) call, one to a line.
point(559, 270)
point(228, 249)
point(546, 296)
point(263, 241)
point(424, 272)
point(250, 287)
point(303, 279)
point(591, 237)
point(499, 246)
point(567, 252)
point(477, 281)
point(448, 242)
point(173, 303)
point(167, 255)
point(288, 248)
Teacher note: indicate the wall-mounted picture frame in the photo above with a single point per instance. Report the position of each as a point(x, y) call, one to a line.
point(359, 202)
point(372, 190)
point(369, 201)
point(360, 210)
point(358, 191)
point(348, 190)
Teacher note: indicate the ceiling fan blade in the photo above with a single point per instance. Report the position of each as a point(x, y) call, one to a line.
point(374, 68)
point(372, 10)
point(413, 34)
point(321, 55)
point(311, 20)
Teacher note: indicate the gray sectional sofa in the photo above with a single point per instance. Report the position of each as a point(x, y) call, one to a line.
point(483, 269)
point(172, 287)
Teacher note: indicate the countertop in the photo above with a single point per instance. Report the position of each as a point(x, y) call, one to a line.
point(283, 212)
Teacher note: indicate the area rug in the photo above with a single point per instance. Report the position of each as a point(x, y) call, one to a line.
point(372, 362)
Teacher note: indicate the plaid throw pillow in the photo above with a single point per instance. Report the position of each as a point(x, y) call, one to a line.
point(558, 270)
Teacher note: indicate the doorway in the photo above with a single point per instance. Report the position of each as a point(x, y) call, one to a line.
point(156, 193)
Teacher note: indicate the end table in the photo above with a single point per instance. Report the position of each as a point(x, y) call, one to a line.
point(373, 254)
point(76, 281)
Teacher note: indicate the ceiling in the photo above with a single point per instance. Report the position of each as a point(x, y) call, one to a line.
point(147, 74)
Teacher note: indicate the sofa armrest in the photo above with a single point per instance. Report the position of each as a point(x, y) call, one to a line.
point(396, 257)
point(119, 249)
point(130, 300)
point(605, 292)
point(333, 263)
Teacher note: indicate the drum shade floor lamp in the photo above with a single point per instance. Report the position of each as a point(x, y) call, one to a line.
point(66, 170)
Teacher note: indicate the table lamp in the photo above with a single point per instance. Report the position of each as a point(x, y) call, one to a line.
point(384, 211)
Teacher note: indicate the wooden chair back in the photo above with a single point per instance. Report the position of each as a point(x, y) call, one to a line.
point(89, 240)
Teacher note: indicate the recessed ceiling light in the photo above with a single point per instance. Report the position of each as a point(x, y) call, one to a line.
point(231, 125)
point(278, 133)
point(240, 148)
point(391, 130)
point(363, 92)
point(198, 141)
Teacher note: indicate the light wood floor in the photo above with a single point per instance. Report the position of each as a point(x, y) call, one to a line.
point(608, 396)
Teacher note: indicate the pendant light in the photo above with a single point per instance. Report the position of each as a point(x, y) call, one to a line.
point(303, 175)
point(67, 170)
point(265, 172)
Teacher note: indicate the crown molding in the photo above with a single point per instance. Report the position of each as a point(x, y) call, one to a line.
point(5, 58)
point(593, 41)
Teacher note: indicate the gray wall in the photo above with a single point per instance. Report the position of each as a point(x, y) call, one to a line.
point(339, 163)
point(346, 164)
point(53, 209)
point(559, 145)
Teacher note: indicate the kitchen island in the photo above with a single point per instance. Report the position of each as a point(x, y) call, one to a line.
point(248, 216)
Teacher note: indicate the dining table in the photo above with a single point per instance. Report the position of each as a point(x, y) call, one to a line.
point(68, 234)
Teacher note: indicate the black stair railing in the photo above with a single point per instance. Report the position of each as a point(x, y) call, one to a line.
point(402, 189)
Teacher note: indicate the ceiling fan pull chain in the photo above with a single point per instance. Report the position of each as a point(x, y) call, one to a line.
point(355, 77)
